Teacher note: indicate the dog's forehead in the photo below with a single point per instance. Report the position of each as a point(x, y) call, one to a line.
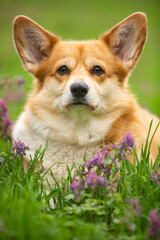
point(81, 54)
point(90, 50)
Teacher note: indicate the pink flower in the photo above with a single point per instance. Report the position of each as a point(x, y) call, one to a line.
point(3, 109)
point(129, 140)
point(6, 123)
point(20, 81)
point(76, 187)
point(93, 181)
point(154, 228)
point(126, 145)
point(96, 160)
point(152, 176)
point(156, 176)
point(136, 204)
point(11, 96)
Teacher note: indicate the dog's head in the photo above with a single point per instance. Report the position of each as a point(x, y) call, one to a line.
point(80, 75)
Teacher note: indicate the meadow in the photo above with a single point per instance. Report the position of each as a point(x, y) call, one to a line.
point(108, 198)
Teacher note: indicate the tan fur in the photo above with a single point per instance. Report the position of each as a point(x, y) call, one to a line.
point(111, 111)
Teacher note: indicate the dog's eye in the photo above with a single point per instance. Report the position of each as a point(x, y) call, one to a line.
point(63, 70)
point(97, 70)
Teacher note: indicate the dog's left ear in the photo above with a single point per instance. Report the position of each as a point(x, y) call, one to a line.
point(127, 38)
point(33, 43)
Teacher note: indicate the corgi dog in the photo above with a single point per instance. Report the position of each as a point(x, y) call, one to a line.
point(80, 96)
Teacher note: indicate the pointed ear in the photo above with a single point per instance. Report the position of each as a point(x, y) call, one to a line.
point(33, 43)
point(127, 38)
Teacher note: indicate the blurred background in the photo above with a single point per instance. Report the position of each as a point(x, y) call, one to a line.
point(84, 19)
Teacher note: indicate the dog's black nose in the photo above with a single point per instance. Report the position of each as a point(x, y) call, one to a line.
point(79, 89)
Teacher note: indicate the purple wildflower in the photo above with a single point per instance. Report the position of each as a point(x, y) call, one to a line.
point(76, 187)
point(20, 94)
point(93, 181)
point(20, 148)
point(110, 188)
point(136, 204)
point(43, 169)
point(111, 185)
point(105, 152)
point(114, 146)
point(6, 123)
point(158, 175)
point(106, 169)
point(129, 141)
point(83, 172)
point(116, 178)
point(11, 96)
point(96, 160)
point(152, 176)
point(3, 109)
point(20, 81)
point(105, 182)
point(126, 144)
point(154, 225)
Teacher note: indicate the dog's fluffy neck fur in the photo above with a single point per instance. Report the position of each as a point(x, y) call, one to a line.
point(78, 125)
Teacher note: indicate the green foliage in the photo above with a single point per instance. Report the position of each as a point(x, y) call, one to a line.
point(27, 212)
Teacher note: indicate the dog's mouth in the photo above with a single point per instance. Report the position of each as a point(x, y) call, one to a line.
point(79, 102)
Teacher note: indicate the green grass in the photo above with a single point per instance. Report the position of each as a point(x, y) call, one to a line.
point(119, 212)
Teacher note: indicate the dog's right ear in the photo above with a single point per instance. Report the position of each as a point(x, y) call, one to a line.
point(33, 43)
point(126, 39)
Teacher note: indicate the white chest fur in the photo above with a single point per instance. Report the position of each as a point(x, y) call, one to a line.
point(59, 155)
point(67, 143)
point(62, 154)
